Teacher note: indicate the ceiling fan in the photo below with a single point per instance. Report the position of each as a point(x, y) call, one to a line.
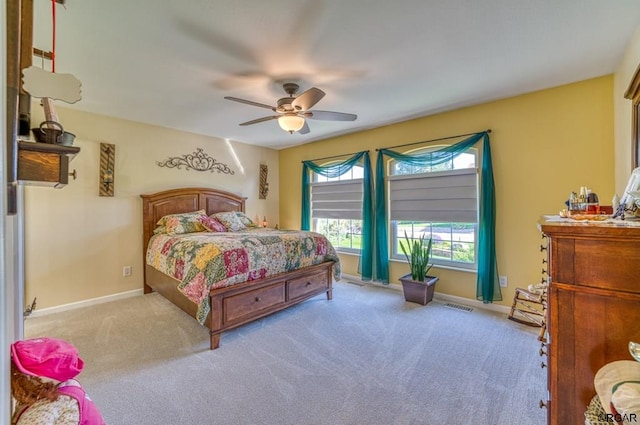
point(292, 110)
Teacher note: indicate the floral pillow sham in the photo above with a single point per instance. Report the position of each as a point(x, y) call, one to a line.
point(245, 219)
point(174, 224)
point(198, 221)
point(230, 220)
point(212, 224)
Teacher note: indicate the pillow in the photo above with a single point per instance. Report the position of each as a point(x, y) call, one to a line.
point(245, 219)
point(173, 224)
point(212, 224)
point(230, 220)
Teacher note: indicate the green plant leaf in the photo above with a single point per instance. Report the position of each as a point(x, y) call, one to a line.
point(418, 254)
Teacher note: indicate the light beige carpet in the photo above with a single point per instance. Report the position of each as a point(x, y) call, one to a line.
point(366, 357)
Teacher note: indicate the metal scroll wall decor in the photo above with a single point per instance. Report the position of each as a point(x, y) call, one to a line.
point(198, 161)
point(264, 184)
point(107, 169)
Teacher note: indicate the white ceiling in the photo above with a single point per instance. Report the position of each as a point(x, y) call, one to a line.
point(170, 62)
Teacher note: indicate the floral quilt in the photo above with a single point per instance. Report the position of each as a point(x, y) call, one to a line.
point(202, 261)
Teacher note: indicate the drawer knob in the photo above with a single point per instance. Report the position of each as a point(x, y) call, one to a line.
point(542, 404)
point(257, 299)
point(308, 283)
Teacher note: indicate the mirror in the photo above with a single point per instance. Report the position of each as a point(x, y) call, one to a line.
point(633, 94)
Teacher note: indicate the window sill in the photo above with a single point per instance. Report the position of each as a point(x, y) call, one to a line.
point(352, 253)
point(440, 266)
point(393, 260)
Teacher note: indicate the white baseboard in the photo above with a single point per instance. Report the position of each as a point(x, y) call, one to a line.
point(85, 303)
point(436, 296)
point(498, 308)
point(345, 277)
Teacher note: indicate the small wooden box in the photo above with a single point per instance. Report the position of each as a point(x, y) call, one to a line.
point(44, 164)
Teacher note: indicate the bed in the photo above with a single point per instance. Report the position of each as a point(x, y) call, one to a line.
point(230, 304)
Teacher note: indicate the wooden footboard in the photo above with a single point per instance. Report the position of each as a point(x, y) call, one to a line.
point(242, 303)
point(238, 304)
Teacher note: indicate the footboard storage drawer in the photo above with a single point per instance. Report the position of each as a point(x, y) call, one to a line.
point(249, 304)
point(302, 286)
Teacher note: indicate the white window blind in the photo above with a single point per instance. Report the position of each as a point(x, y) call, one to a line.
point(337, 199)
point(443, 196)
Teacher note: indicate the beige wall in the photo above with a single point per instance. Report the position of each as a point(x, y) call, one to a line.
point(76, 242)
point(544, 145)
point(623, 130)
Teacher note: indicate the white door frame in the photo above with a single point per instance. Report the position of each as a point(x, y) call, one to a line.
point(10, 255)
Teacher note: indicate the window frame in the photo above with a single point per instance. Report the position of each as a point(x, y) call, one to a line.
point(396, 254)
point(318, 178)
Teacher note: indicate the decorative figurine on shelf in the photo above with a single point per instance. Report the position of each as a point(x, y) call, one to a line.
point(43, 384)
point(630, 198)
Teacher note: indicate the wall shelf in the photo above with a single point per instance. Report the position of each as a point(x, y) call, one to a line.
point(45, 164)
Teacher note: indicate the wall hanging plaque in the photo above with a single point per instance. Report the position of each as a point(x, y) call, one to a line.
point(198, 161)
point(107, 169)
point(264, 184)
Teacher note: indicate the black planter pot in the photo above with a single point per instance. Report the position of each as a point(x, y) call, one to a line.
point(418, 292)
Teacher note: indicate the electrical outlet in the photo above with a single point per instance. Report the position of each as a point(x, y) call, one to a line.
point(503, 282)
point(126, 271)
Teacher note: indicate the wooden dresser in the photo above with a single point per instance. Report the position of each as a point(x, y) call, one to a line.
point(594, 308)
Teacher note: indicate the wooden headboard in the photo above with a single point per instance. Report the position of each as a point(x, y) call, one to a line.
point(157, 205)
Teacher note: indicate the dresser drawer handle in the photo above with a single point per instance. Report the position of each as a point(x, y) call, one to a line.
point(542, 404)
point(308, 283)
point(257, 299)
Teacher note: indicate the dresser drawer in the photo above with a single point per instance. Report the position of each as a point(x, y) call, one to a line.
point(598, 263)
point(239, 307)
point(303, 286)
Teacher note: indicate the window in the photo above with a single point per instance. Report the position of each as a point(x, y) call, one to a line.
point(336, 209)
point(440, 202)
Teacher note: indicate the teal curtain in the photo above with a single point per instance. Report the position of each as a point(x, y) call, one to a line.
point(365, 266)
point(488, 288)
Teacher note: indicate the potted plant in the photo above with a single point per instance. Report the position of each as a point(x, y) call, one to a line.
point(417, 286)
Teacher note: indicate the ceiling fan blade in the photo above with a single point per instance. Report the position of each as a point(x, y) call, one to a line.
point(330, 116)
point(307, 99)
point(263, 119)
point(250, 102)
point(304, 129)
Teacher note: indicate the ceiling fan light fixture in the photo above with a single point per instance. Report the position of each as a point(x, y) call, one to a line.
point(291, 123)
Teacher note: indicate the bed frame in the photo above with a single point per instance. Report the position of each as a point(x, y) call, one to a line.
point(238, 304)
